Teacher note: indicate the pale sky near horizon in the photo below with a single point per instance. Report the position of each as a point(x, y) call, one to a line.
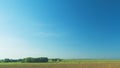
point(60, 28)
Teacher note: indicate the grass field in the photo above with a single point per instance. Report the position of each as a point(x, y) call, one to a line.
point(66, 64)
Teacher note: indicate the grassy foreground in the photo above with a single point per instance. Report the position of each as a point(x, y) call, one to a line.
point(66, 64)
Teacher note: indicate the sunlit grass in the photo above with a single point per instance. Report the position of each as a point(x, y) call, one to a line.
point(66, 64)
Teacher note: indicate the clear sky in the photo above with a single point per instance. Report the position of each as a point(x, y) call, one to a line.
point(60, 28)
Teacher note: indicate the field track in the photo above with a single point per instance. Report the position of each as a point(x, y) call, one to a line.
point(62, 65)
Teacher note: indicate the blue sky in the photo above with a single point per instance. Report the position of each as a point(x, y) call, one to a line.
point(60, 28)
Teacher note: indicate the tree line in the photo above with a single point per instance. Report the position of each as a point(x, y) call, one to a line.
point(31, 60)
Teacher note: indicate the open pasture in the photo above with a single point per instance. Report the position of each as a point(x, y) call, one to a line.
point(62, 65)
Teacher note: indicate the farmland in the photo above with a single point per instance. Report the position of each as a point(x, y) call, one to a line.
point(66, 64)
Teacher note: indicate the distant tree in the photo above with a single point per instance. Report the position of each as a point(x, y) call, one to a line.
point(13, 60)
point(54, 60)
point(6, 60)
point(19, 60)
point(59, 60)
point(28, 59)
point(32, 60)
point(44, 59)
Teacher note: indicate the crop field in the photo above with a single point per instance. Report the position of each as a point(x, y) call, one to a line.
point(82, 64)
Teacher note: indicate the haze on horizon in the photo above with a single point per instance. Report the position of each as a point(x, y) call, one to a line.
point(60, 28)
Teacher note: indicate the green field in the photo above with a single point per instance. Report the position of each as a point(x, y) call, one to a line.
point(66, 64)
point(89, 60)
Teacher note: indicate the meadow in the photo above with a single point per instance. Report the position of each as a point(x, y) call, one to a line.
point(66, 64)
